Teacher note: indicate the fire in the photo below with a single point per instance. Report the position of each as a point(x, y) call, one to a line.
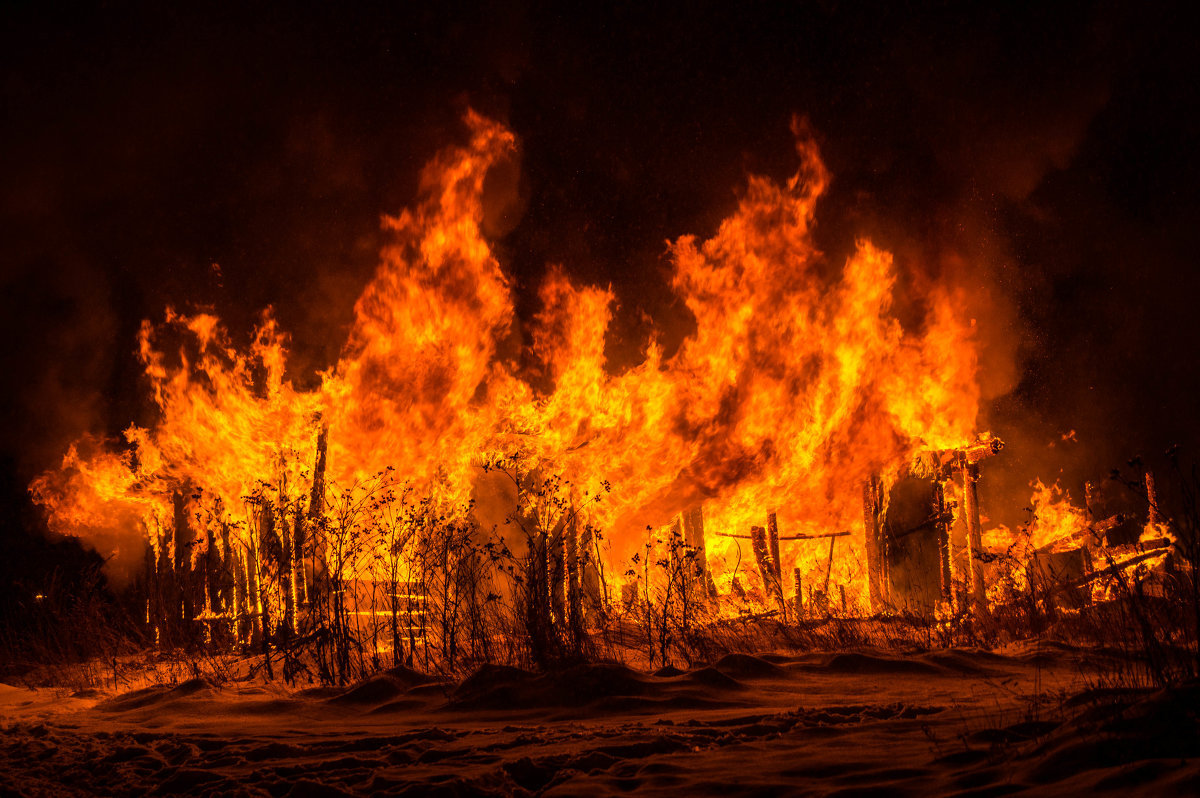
point(798, 384)
point(1057, 522)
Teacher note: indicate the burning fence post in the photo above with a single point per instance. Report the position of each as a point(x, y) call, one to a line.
point(770, 568)
point(590, 574)
point(829, 571)
point(574, 598)
point(945, 556)
point(557, 572)
point(155, 562)
point(766, 565)
point(873, 542)
point(287, 568)
point(1152, 499)
point(241, 608)
point(974, 538)
point(227, 581)
point(693, 535)
point(213, 567)
point(776, 564)
point(970, 458)
point(183, 591)
point(799, 607)
point(316, 506)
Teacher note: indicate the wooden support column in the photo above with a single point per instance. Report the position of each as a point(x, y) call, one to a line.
point(182, 608)
point(974, 538)
point(1152, 499)
point(212, 572)
point(589, 579)
point(776, 562)
point(945, 573)
point(227, 581)
point(241, 597)
point(766, 567)
point(773, 543)
point(574, 594)
point(305, 542)
point(154, 610)
point(287, 570)
point(556, 574)
point(693, 535)
point(873, 543)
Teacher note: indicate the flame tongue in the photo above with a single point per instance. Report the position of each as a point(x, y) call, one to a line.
point(794, 388)
point(425, 329)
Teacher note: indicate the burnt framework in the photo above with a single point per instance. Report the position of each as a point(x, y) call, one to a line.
point(911, 557)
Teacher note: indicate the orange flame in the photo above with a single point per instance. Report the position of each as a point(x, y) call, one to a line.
point(795, 386)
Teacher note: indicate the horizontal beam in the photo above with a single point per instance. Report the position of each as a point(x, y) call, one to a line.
point(789, 537)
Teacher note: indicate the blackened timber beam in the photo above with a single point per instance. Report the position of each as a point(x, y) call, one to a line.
point(974, 536)
point(873, 542)
point(693, 535)
point(766, 568)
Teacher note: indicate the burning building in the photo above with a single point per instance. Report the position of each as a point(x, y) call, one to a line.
point(717, 386)
point(451, 435)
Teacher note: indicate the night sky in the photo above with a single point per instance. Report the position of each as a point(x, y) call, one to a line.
point(238, 159)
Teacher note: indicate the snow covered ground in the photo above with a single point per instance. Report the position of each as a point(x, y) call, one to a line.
point(944, 722)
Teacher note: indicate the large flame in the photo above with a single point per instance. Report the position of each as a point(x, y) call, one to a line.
point(797, 384)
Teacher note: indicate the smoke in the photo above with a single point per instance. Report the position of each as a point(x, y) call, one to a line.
point(58, 319)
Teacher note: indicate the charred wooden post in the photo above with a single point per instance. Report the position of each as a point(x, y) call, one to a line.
point(693, 535)
point(269, 559)
point(873, 542)
point(212, 572)
point(1100, 529)
point(557, 572)
point(161, 588)
point(1155, 517)
point(773, 542)
point(264, 608)
point(228, 581)
point(287, 572)
point(305, 530)
point(147, 585)
point(182, 608)
point(829, 567)
point(945, 571)
point(241, 586)
point(213, 566)
point(766, 567)
point(574, 597)
point(799, 583)
point(776, 562)
point(970, 474)
point(537, 603)
point(589, 574)
point(629, 595)
point(299, 589)
point(253, 597)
